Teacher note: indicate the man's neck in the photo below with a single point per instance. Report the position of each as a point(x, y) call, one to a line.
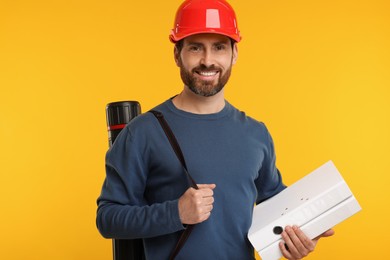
point(196, 104)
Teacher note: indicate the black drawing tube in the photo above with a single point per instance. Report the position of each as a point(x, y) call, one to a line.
point(118, 115)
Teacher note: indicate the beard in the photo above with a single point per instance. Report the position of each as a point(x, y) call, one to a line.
point(204, 88)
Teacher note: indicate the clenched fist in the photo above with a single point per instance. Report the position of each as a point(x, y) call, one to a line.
point(195, 205)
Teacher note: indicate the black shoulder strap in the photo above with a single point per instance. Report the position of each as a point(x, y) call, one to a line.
point(175, 145)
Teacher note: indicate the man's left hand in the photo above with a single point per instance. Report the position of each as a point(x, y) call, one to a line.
point(297, 245)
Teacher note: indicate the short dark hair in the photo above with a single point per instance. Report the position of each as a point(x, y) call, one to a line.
point(179, 45)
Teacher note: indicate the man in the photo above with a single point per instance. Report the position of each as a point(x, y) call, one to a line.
point(146, 193)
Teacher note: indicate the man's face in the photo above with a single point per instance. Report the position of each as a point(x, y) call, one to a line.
point(205, 62)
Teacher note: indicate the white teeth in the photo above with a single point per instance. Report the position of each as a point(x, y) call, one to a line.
point(208, 73)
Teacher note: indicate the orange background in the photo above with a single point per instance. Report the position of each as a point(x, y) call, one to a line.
point(316, 72)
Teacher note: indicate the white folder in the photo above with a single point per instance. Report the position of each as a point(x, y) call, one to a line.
point(315, 203)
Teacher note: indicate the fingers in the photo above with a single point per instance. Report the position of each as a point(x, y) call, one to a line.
point(195, 206)
point(284, 249)
point(206, 201)
point(205, 198)
point(298, 244)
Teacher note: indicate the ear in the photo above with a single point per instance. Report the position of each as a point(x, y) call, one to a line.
point(176, 55)
point(235, 53)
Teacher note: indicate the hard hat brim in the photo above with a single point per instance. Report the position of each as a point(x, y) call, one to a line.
point(174, 38)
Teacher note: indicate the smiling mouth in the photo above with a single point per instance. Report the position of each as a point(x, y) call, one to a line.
point(207, 73)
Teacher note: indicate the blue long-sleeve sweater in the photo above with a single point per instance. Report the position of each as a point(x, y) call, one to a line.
point(144, 180)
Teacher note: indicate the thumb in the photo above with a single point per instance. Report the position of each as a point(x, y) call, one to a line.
point(327, 233)
point(207, 186)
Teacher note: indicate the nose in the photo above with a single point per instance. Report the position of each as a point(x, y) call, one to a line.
point(207, 58)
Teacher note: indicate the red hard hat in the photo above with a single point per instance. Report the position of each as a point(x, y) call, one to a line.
point(205, 16)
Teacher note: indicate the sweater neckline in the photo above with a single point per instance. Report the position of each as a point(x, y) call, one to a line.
point(224, 112)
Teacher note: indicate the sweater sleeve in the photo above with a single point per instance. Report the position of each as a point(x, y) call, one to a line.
point(123, 212)
point(269, 182)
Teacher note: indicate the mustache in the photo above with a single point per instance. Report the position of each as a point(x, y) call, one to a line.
point(203, 67)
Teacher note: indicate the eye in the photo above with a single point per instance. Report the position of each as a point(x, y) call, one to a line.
point(220, 47)
point(194, 48)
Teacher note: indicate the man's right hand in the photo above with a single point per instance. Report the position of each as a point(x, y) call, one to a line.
point(195, 206)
